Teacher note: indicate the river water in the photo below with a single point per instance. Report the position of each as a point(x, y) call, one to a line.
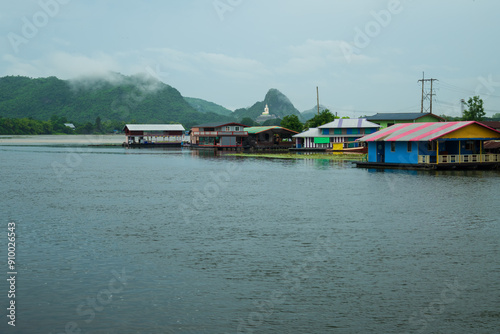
point(114, 240)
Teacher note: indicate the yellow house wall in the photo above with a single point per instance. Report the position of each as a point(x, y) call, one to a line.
point(472, 131)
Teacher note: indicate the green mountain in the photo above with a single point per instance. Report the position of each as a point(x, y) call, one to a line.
point(137, 98)
point(277, 102)
point(206, 106)
point(308, 114)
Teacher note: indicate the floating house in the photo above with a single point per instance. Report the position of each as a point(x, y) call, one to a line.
point(153, 134)
point(269, 137)
point(218, 135)
point(387, 119)
point(337, 135)
point(431, 145)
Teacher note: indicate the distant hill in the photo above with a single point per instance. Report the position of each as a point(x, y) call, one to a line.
point(206, 106)
point(277, 102)
point(308, 114)
point(137, 98)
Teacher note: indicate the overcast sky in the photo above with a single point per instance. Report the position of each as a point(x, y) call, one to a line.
point(365, 56)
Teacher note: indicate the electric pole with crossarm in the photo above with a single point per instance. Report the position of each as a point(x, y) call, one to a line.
point(424, 96)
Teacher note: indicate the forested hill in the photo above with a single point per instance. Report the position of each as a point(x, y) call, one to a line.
point(140, 99)
point(206, 106)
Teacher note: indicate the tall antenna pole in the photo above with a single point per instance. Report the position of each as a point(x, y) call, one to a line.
point(317, 97)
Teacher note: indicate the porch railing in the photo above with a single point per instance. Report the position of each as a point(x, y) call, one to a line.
point(456, 158)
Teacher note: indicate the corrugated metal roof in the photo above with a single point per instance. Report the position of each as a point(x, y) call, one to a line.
point(492, 124)
point(259, 129)
point(401, 116)
point(491, 144)
point(312, 132)
point(217, 125)
point(417, 131)
point(154, 127)
point(349, 123)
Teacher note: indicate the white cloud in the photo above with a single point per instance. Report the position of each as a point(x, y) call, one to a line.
point(63, 65)
point(318, 55)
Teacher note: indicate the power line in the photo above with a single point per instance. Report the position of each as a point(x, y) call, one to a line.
point(453, 88)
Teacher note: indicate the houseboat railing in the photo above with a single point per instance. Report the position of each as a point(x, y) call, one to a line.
point(456, 158)
point(219, 133)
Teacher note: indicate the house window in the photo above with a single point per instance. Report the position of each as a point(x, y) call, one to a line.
point(393, 146)
point(469, 145)
point(337, 131)
point(326, 131)
point(409, 146)
point(228, 128)
point(431, 146)
point(236, 128)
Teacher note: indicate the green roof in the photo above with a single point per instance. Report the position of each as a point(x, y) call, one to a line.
point(258, 129)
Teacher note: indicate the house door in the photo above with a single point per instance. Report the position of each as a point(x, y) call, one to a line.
point(381, 151)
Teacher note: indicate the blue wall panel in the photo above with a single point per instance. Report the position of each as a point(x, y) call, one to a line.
point(401, 154)
point(372, 151)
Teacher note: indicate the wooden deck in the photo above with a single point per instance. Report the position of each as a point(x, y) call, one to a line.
point(430, 166)
point(125, 144)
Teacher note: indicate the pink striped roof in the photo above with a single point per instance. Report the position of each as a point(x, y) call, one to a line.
point(418, 131)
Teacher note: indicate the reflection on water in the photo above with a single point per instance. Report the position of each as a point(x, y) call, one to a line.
point(221, 244)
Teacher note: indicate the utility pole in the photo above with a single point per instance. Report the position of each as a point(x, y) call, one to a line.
point(317, 97)
point(423, 80)
point(430, 95)
point(422, 102)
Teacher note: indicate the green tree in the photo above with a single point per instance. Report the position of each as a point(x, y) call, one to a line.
point(322, 118)
point(85, 129)
point(292, 122)
point(475, 109)
point(496, 117)
point(271, 122)
point(247, 121)
point(98, 124)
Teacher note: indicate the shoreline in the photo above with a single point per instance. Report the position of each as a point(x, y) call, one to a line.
point(57, 140)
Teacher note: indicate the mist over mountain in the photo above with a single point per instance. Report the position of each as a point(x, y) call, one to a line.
point(277, 102)
point(137, 98)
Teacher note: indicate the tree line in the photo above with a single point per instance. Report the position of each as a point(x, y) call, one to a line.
point(56, 125)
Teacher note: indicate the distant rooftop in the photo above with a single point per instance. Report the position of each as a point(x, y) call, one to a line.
point(401, 116)
point(259, 129)
point(154, 127)
point(349, 123)
point(217, 124)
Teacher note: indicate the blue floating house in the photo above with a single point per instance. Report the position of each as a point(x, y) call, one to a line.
point(431, 145)
point(337, 135)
